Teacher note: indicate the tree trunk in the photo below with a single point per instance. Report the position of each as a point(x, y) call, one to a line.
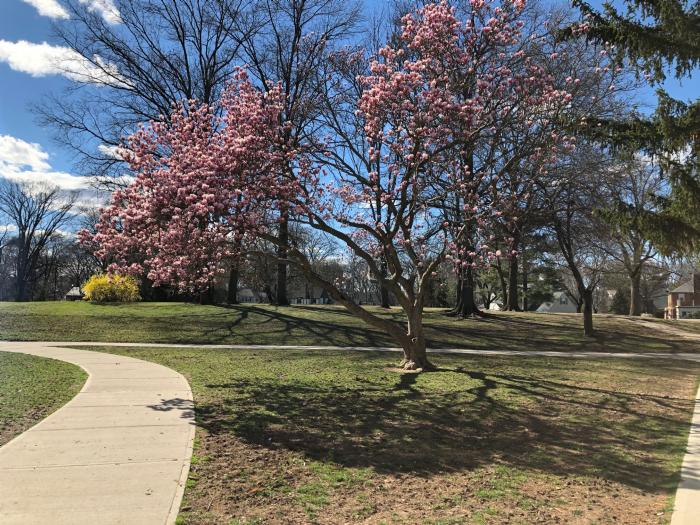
point(525, 283)
point(22, 284)
point(587, 312)
point(21, 290)
point(512, 304)
point(414, 350)
point(207, 296)
point(635, 294)
point(268, 292)
point(502, 280)
point(383, 292)
point(466, 305)
point(232, 292)
point(281, 298)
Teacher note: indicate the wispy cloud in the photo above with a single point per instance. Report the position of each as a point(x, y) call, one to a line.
point(44, 59)
point(114, 152)
point(50, 8)
point(53, 9)
point(28, 162)
point(105, 8)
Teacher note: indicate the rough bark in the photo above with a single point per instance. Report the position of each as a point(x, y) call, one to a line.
point(207, 296)
point(414, 347)
point(466, 305)
point(502, 280)
point(513, 296)
point(635, 294)
point(383, 292)
point(232, 292)
point(281, 298)
point(525, 284)
point(587, 312)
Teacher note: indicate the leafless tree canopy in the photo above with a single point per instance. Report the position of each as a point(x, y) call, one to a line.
point(36, 213)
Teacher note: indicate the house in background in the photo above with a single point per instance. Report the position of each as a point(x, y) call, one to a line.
point(684, 301)
point(74, 294)
point(561, 304)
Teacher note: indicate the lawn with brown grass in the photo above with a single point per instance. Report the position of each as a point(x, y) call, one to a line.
point(328, 437)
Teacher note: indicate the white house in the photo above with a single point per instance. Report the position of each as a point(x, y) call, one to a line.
point(561, 303)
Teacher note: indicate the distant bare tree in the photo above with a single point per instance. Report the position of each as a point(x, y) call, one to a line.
point(573, 194)
point(159, 52)
point(37, 212)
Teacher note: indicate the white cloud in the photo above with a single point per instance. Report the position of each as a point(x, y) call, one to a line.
point(53, 9)
point(27, 162)
point(16, 152)
point(113, 152)
point(45, 59)
point(105, 8)
point(50, 8)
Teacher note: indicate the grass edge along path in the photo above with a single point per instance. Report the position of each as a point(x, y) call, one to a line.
point(288, 435)
point(31, 388)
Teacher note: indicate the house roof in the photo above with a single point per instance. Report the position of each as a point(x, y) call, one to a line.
point(75, 291)
point(685, 288)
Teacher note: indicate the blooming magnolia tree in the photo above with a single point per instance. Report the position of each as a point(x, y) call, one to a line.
point(429, 106)
point(204, 185)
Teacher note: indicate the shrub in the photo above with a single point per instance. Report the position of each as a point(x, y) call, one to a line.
point(621, 302)
point(111, 288)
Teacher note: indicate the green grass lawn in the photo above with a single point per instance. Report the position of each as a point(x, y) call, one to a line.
point(31, 388)
point(291, 436)
point(687, 325)
point(316, 325)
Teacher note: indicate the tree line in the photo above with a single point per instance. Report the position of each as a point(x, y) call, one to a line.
point(512, 123)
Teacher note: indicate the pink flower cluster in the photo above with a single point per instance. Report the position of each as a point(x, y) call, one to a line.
point(204, 185)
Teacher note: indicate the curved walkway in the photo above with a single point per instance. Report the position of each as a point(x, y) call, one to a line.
point(117, 453)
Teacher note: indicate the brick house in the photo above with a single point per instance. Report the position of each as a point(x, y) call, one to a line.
point(684, 301)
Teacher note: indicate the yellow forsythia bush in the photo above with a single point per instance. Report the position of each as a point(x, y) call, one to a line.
point(105, 288)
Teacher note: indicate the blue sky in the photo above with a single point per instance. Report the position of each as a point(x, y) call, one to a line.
point(25, 79)
point(20, 21)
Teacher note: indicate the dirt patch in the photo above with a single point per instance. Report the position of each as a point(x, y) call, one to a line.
point(12, 428)
point(253, 484)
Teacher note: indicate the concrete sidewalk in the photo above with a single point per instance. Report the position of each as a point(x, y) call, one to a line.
point(458, 351)
point(117, 453)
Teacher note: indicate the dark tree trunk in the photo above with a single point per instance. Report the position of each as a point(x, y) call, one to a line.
point(207, 296)
point(232, 292)
point(383, 292)
point(512, 304)
point(587, 296)
point(635, 294)
point(268, 292)
point(281, 298)
point(466, 305)
point(525, 284)
point(21, 291)
point(504, 287)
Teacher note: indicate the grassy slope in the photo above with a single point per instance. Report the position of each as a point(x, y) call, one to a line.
point(259, 324)
point(31, 388)
point(324, 437)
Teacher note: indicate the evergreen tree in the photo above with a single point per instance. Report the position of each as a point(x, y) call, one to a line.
point(620, 304)
point(659, 38)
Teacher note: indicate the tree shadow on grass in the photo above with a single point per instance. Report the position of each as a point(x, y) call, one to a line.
point(268, 326)
point(405, 428)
